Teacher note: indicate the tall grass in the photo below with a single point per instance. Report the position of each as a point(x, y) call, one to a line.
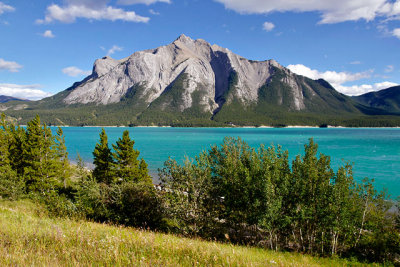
point(28, 236)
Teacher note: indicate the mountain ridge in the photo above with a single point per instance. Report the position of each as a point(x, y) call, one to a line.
point(5, 99)
point(387, 99)
point(193, 83)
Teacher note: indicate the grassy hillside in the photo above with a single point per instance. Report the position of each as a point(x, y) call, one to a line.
point(29, 237)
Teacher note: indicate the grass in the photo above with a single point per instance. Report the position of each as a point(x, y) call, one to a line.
point(28, 236)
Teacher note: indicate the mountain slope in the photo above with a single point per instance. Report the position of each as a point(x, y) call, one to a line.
point(386, 99)
point(191, 82)
point(5, 99)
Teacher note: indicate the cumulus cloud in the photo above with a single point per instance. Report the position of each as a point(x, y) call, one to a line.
point(333, 77)
point(364, 88)
point(88, 9)
point(75, 71)
point(114, 49)
point(32, 92)
point(337, 79)
point(5, 8)
point(396, 32)
point(11, 66)
point(268, 26)
point(332, 11)
point(48, 34)
point(146, 2)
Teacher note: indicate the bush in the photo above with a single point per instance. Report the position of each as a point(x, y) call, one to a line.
point(138, 205)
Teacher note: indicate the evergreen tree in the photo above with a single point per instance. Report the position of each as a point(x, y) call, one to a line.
point(40, 168)
point(127, 166)
point(103, 161)
point(14, 137)
point(16, 149)
point(11, 185)
point(62, 157)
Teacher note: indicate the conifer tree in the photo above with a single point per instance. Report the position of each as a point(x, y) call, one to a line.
point(39, 161)
point(144, 172)
point(16, 149)
point(128, 167)
point(103, 161)
point(33, 153)
point(10, 184)
point(62, 156)
point(14, 138)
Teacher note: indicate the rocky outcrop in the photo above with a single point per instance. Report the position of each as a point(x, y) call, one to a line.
point(208, 70)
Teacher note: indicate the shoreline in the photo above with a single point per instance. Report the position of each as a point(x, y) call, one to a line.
point(230, 127)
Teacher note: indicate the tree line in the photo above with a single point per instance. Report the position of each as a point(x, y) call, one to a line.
point(232, 193)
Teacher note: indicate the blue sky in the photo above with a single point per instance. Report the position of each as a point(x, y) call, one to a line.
point(46, 46)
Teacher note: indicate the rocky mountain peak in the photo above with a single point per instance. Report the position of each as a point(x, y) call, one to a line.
point(208, 76)
point(103, 66)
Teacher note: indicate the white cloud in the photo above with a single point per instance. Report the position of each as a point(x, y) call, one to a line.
point(11, 66)
point(364, 88)
point(146, 2)
point(74, 71)
point(88, 9)
point(31, 92)
point(332, 11)
point(355, 62)
point(337, 79)
point(268, 26)
point(389, 68)
point(48, 34)
point(5, 8)
point(154, 12)
point(333, 77)
point(396, 33)
point(114, 49)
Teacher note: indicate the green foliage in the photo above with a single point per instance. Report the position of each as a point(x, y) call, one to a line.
point(187, 197)
point(102, 159)
point(40, 165)
point(11, 185)
point(62, 155)
point(254, 196)
point(137, 204)
point(232, 192)
point(127, 165)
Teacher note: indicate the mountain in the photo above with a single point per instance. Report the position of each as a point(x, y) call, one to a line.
point(193, 83)
point(387, 99)
point(5, 99)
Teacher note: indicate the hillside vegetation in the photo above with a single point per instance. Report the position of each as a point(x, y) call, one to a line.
point(387, 99)
point(30, 237)
point(232, 193)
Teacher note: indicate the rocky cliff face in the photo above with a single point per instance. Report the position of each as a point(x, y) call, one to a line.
point(208, 70)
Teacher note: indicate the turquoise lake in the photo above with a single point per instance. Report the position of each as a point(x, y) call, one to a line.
point(375, 153)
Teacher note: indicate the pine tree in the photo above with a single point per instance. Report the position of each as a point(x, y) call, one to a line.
point(38, 157)
point(11, 185)
point(16, 149)
point(127, 165)
point(103, 161)
point(144, 172)
point(33, 154)
point(62, 157)
point(14, 137)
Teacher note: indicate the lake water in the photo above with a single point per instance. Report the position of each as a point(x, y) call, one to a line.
point(375, 152)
